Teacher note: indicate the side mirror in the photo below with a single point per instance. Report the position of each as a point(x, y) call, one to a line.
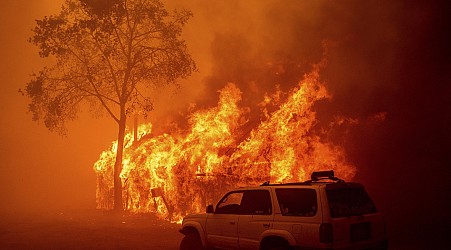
point(210, 209)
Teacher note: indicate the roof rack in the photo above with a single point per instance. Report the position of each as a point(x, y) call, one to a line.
point(321, 175)
point(284, 184)
point(315, 177)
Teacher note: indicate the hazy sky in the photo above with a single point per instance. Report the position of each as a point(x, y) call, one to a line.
point(391, 57)
point(39, 168)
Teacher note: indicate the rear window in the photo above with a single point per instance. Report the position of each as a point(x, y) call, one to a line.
point(349, 201)
point(297, 201)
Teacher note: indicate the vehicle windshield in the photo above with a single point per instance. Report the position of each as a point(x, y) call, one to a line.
point(349, 201)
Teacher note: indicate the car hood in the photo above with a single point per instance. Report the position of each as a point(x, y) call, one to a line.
point(195, 216)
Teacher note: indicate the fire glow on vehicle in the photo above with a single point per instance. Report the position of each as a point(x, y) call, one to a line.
point(177, 173)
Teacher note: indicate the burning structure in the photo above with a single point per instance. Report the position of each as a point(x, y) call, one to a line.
point(177, 173)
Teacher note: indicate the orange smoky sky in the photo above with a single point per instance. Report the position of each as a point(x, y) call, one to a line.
point(39, 169)
point(388, 58)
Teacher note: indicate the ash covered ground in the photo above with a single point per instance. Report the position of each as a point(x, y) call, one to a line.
point(87, 230)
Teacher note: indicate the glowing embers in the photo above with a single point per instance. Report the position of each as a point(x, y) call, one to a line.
point(179, 173)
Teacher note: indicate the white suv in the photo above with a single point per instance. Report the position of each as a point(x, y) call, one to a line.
point(323, 213)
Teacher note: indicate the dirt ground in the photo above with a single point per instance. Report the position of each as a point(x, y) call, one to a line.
point(87, 230)
point(96, 229)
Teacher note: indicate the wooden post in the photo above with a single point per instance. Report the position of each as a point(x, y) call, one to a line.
point(135, 129)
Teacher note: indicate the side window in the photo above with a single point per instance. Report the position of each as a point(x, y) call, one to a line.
point(230, 203)
point(297, 201)
point(256, 202)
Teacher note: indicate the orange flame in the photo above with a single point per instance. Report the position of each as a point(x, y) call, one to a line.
point(179, 173)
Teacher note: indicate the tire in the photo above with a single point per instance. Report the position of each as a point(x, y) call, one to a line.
point(277, 244)
point(191, 242)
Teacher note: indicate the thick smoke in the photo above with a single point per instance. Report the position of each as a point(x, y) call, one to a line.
point(260, 46)
point(264, 46)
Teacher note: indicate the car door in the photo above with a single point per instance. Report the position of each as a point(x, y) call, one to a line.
point(221, 226)
point(255, 217)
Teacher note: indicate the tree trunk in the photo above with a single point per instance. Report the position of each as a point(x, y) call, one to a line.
point(118, 205)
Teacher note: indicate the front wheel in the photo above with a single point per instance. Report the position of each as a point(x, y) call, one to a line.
point(277, 244)
point(191, 242)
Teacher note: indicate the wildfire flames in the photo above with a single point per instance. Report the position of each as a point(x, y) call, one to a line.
point(179, 173)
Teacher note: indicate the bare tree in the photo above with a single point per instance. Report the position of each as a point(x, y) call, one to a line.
point(109, 54)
